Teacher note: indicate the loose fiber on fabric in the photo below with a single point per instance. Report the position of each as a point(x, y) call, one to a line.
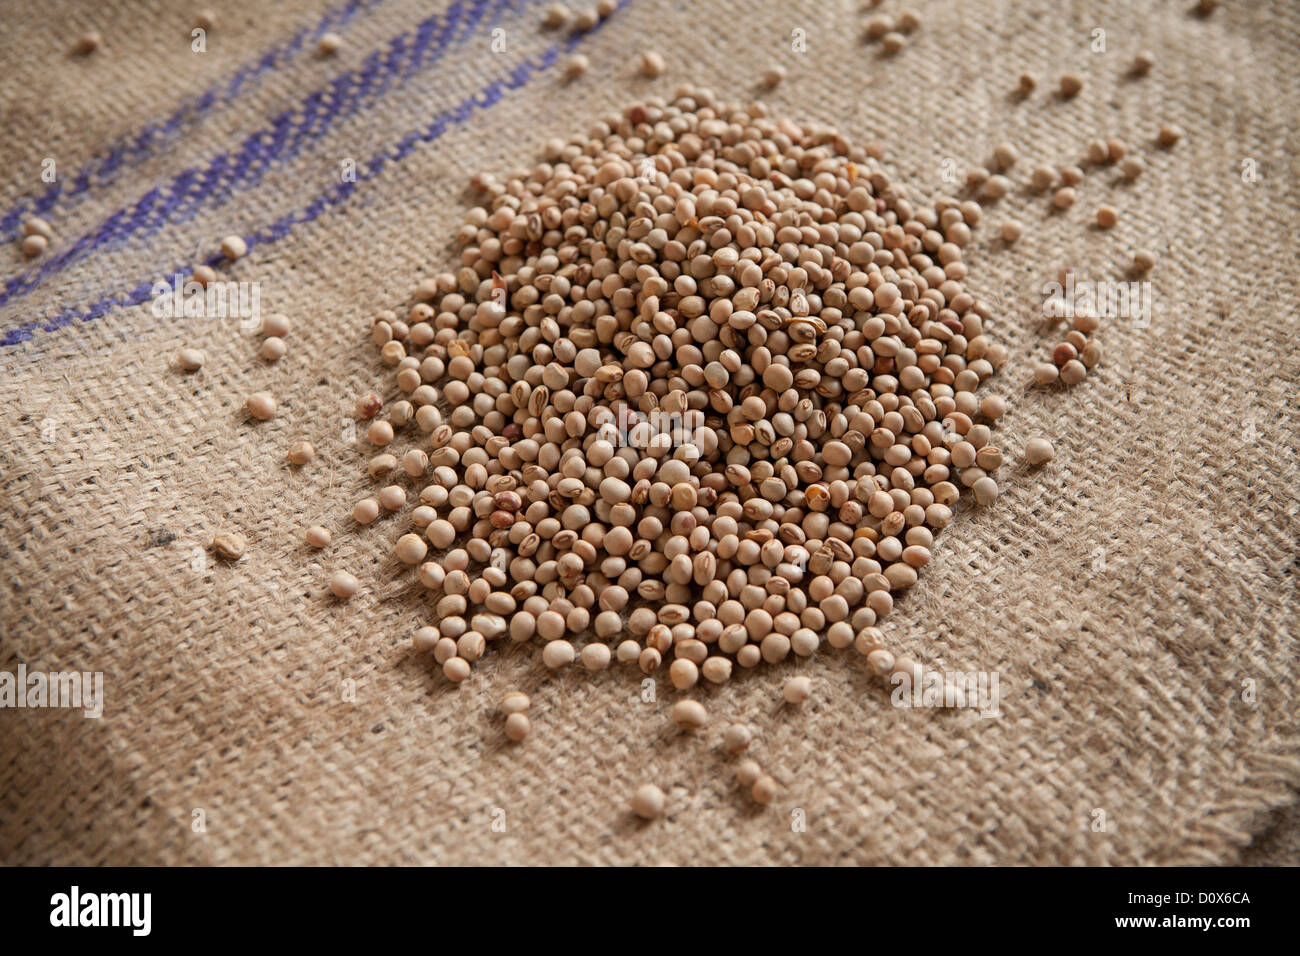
point(1136, 596)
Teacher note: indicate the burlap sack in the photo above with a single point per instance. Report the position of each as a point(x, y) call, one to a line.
point(1135, 597)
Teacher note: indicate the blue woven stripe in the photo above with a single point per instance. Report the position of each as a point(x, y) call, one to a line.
point(153, 138)
point(287, 134)
point(484, 99)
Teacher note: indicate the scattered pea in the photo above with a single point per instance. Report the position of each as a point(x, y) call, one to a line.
point(36, 226)
point(229, 544)
point(276, 324)
point(764, 789)
point(736, 738)
point(747, 772)
point(995, 187)
point(515, 702)
point(1073, 372)
point(689, 714)
point(576, 65)
point(517, 726)
point(1038, 451)
point(893, 41)
point(344, 585)
point(652, 64)
point(234, 247)
point(557, 15)
point(262, 405)
point(648, 802)
point(797, 690)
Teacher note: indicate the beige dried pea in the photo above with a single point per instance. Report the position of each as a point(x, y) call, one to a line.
point(229, 544)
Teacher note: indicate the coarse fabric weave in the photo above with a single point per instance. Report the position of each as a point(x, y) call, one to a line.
point(1136, 597)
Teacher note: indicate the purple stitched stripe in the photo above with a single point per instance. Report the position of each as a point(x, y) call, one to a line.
point(152, 138)
point(484, 99)
point(287, 134)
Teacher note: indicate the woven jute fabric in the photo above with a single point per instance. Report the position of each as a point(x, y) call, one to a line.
point(1136, 597)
